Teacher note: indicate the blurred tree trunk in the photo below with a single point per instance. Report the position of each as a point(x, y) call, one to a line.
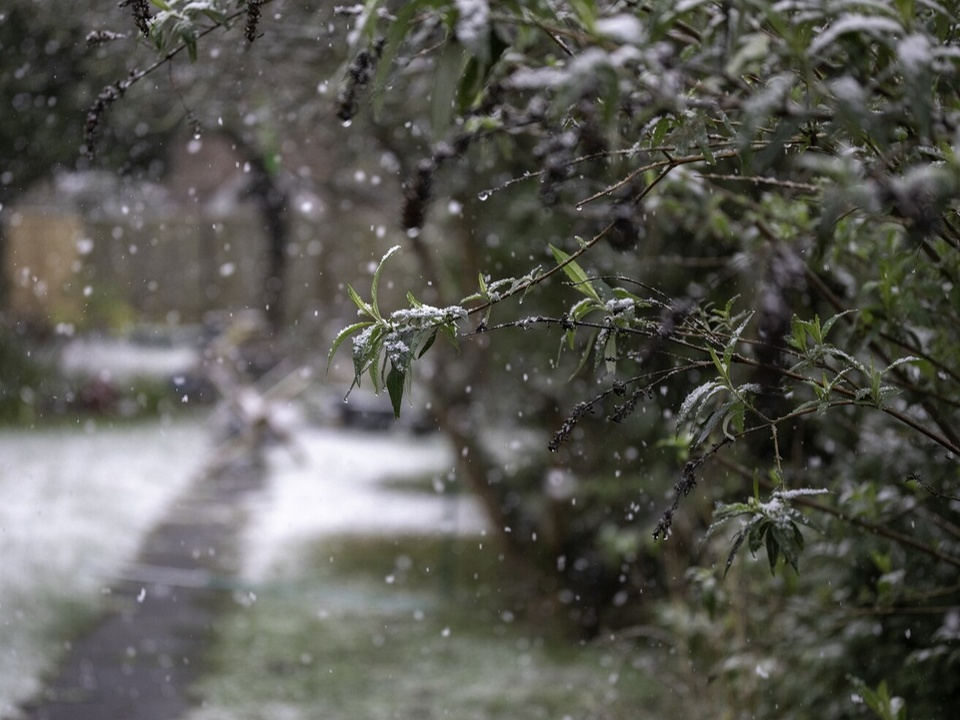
point(271, 200)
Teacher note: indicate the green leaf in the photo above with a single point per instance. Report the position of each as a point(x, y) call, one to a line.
point(374, 285)
point(734, 548)
point(759, 527)
point(578, 277)
point(343, 335)
point(734, 339)
point(899, 362)
point(610, 354)
point(721, 413)
point(773, 549)
point(588, 347)
point(395, 38)
point(880, 701)
point(720, 366)
point(396, 381)
point(190, 40)
point(448, 70)
point(365, 354)
point(428, 344)
point(735, 418)
point(786, 539)
point(703, 144)
point(830, 322)
point(660, 130)
point(450, 330)
point(695, 401)
point(586, 11)
point(362, 305)
point(583, 308)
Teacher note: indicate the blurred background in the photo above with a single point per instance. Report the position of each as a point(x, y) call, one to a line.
point(200, 519)
point(168, 298)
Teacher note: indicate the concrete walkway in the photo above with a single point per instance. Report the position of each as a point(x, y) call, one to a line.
point(139, 661)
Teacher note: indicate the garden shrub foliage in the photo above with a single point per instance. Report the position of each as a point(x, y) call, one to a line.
point(798, 163)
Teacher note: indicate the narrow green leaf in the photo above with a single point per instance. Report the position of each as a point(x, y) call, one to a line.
point(343, 335)
point(695, 401)
point(362, 305)
point(395, 38)
point(448, 69)
point(786, 542)
point(773, 549)
point(591, 341)
point(734, 339)
point(583, 308)
point(758, 527)
point(450, 330)
point(737, 542)
point(660, 130)
point(190, 40)
point(578, 277)
point(721, 367)
point(898, 363)
point(703, 144)
point(375, 283)
point(798, 335)
point(428, 344)
point(830, 322)
point(610, 354)
point(395, 385)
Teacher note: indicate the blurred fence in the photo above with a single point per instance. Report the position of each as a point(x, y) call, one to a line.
point(83, 263)
point(63, 267)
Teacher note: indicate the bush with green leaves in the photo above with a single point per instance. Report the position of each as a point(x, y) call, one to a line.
point(739, 216)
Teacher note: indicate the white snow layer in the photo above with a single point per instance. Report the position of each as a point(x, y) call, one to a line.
point(75, 505)
point(330, 484)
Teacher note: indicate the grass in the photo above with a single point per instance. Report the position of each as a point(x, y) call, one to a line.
point(76, 502)
point(416, 627)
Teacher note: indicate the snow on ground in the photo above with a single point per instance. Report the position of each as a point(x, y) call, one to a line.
point(330, 484)
point(74, 504)
point(122, 360)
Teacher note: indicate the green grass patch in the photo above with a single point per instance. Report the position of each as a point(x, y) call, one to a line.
point(416, 627)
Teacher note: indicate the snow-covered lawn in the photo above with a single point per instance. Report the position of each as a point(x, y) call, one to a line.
point(330, 483)
point(74, 504)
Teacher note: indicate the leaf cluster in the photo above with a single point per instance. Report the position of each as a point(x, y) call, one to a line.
point(181, 22)
point(774, 525)
point(396, 340)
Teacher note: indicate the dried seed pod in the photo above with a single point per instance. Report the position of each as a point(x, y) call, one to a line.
point(624, 233)
point(253, 19)
point(91, 129)
point(141, 14)
point(358, 75)
point(417, 191)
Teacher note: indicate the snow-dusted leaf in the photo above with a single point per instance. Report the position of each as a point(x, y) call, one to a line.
point(735, 338)
point(374, 285)
point(693, 403)
point(362, 305)
point(343, 335)
point(878, 28)
point(898, 362)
